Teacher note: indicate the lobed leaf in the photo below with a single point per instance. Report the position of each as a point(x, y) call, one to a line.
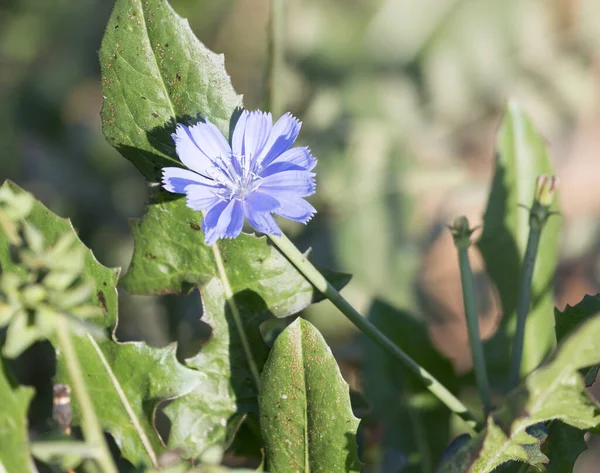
point(555, 391)
point(173, 258)
point(565, 443)
point(127, 380)
point(170, 257)
point(305, 413)
point(521, 157)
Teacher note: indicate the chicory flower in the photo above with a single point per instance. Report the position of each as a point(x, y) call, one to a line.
point(259, 174)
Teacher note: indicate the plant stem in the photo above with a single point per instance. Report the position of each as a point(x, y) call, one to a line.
point(523, 302)
point(276, 56)
point(45, 450)
point(313, 275)
point(89, 422)
point(235, 312)
point(462, 243)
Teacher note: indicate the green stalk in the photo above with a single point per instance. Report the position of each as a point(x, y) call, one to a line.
point(237, 318)
point(539, 214)
point(313, 275)
point(276, 57)
point(45, 450)
point(462, 240)
point(523, 302)
point(89, 422)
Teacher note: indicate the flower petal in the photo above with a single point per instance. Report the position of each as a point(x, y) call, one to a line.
point(237, 139)
point(188, 151)
point(210, 140)
point(202, 197)
point(261, 202)
point(289, 183)
point(296, 209)
point(177, 179)
point(251, 132)
point(282, 136)
point(261, 221)
point(224, 220)
point(293, 159)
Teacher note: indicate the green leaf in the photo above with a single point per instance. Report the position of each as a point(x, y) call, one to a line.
point(305, 414)
point(568, 319)
point(556, 390)
point(185, 468)
point(415, 423)
point(127, 380)
point(573, 316)
point(210, 415)
point(562, 447)
point(14, 440)
point(521, 158)
point(155, 72)
point(170, 256)
point(565, 443)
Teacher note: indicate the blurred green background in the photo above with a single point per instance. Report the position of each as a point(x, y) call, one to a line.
point(400, 100)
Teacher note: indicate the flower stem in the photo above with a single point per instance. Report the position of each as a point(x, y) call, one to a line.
point(48, 449)
point(462, 240)
point(523, 302)
point(276, 56)
point(313, 275)
point(539, 214)
point(89, 422)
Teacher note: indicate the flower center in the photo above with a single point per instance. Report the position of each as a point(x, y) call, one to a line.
point(237, 174)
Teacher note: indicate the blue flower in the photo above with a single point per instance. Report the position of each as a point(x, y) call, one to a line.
point(254, 177)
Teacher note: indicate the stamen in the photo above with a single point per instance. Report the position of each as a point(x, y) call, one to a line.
point(237, 174)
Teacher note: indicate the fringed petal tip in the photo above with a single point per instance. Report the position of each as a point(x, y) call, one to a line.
point(288, 116)
point(308, 219)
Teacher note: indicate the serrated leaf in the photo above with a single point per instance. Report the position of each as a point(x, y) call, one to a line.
point(415, 423)
point(170, 256)
point(127, 380)
point(15, 456)
point(206, 417)
point(155, 72)
point(305, 413)
point(565, 443)
point(556, 390)
point(521, 158)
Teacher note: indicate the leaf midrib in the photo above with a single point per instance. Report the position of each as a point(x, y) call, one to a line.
point(160, 72)
point(124, 401)
point(305, 383)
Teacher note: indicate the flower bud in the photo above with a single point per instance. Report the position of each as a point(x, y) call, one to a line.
point(546, 189)
point(461, 232)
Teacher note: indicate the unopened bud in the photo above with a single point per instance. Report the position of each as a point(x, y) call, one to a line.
point(546, 189)
point(461, 232)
